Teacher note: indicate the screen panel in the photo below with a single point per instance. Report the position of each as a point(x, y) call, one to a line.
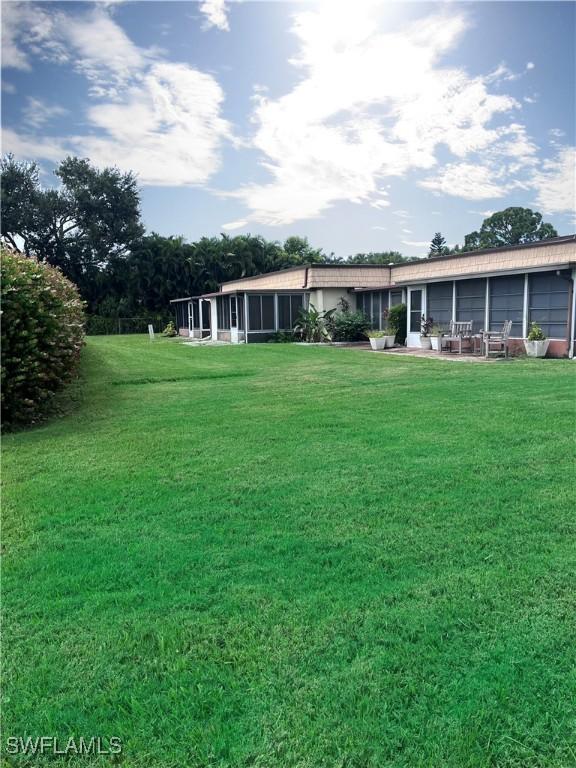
point(471, 302)
point(439, 303)
point(507, 303)
point(548, 298)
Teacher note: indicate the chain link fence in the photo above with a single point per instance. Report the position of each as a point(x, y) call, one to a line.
point(97, 325)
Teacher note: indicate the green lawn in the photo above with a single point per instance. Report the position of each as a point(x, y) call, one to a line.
point(280, 556)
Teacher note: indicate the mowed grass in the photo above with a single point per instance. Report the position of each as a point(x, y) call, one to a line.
point(283, 556)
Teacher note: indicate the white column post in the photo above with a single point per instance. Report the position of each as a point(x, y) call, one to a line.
point(246, 318)
point(487, 306)
point(525, 308)
point(453, 301)
point(213, 318)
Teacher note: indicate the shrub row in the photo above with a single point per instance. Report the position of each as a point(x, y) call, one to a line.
point(42, 335)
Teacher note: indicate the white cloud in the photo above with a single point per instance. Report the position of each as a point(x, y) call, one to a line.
point(216, 15)
point(372, 105)
point(159, 119)
point(231, 225)
point(37, 113)
point(416, 243)
point(383, 229)
point(12, 56)
point(530, 65)
point(555, 183)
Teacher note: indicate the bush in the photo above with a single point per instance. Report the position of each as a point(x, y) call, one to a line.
point(348, 326)
point(536, 333)
point(170, 330)
point(281, 337)
point(42, 335)
point(397, 320)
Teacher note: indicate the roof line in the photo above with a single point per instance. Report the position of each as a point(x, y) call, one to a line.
point(500, 249)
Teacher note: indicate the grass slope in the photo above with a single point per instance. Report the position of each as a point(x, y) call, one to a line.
point(280, 556)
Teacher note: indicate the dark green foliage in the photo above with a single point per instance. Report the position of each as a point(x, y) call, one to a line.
point(397, 319)
point(513, 226)
point(384, 257)
point(312, 325)
point(42, 334)
point(438, 246)
point(281, 337)
point(275, 556)
point(90, 220)
point(348, 326)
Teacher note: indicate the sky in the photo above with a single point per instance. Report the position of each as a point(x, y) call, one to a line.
point(362, 125)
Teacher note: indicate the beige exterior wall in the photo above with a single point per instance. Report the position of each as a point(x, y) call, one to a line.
point(328, 298)
point(348, 277)
point(483, 263)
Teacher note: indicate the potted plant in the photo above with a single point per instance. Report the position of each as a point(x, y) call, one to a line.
point(435, 333)
point(536, 344)
point(426, 324)
point(390, 336)
point(377, 339)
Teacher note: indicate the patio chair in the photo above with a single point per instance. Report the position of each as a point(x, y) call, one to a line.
point(497, 341)
point(459, 331)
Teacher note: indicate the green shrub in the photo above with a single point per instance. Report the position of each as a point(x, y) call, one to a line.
point(170, 330)
point(536, 333)
point(397, 320)
point(348, 326)
point(281, 337)
point(42, 335)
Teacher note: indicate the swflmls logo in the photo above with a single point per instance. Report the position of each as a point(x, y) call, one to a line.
point(52, 745)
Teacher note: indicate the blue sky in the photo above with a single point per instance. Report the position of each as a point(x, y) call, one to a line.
point(361, 125)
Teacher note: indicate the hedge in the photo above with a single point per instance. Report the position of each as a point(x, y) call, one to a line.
point(42, 335)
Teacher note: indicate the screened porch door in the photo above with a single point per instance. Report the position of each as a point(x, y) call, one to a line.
point(416, 308)
point(205, 314)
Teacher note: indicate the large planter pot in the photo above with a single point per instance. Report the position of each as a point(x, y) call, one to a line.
point(425, 342)
point(379, 343)
point(536, 348)
point(389, 340)
point(435, 342)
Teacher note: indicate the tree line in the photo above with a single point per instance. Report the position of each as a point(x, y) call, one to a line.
point(90, 227)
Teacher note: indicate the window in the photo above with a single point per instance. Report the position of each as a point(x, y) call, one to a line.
point(471, 302)
point(289, 306)
point(548, 303)
point(233, 312)
point(507, 303)
point(195, 314)
point(395, 298)
point(261, 312)
point(223, 312)
point(440, 303)
point(415, 311)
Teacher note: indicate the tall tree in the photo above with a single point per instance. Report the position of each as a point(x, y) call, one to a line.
point(92, 218)
point(512, 226)
point(438, 246)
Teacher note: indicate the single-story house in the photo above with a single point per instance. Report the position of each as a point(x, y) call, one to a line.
point(534, 282)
